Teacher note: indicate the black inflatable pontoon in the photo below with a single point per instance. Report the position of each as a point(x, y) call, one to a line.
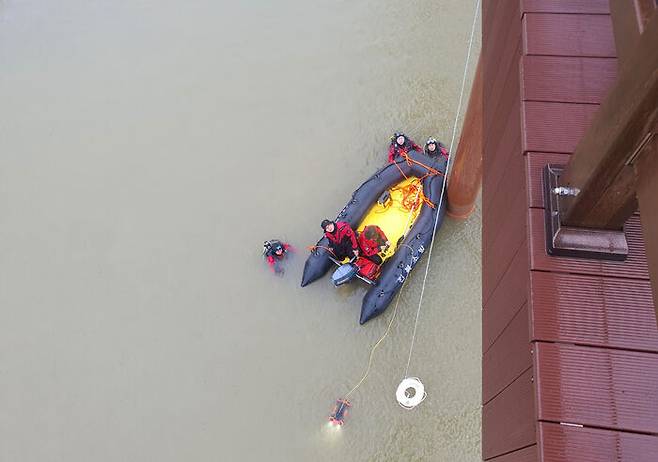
point(397, 267)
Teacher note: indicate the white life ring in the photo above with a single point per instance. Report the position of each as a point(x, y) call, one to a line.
point(410, 402)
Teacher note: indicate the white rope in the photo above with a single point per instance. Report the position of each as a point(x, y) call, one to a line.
point(395, 311)
point(443, 186)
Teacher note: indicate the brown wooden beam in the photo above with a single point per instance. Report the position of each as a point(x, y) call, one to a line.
point(624, 24)
point(599, 168)
point(644, 9)
point(629, 19)
point(646, 168)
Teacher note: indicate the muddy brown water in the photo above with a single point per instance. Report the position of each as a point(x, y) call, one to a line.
point(147, 148)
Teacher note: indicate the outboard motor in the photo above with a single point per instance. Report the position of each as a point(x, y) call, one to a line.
point(344, 273)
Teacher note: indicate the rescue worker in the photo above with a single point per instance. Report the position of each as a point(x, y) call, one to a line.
point(275, 252)
point(372, 241)
point(435, 148)
point(400, 143)
point(342, 239)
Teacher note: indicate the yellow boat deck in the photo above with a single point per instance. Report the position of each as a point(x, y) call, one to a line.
point(395, 218)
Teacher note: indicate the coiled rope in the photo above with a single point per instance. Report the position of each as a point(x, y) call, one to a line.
point(411, 194)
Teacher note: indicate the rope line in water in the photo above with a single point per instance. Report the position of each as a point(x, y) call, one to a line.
point(395, 311)
point(372, 350)
point(443, 187)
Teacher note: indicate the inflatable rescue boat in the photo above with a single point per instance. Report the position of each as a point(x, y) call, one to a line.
point(400, 201)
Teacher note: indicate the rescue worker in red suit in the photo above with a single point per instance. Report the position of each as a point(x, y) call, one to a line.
point(342, 239)
point(275, 252)
point(435, 148)
point(400, 143)
point(372, 241)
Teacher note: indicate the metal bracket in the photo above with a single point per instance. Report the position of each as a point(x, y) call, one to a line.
point(565, 241)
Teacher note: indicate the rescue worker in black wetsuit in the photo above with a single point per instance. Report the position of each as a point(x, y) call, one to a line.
point(342, 239)
point(434, 148)
point(275, 252)
point(401, 143)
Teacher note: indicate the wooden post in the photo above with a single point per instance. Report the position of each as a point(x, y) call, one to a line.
point(466, 176)
point(646, 168)
point(630, 18)
point(600, 168)
point(615, 166)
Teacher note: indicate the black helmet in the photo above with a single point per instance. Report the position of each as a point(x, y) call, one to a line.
point(431, 140)
point(272, 246)
point(396, 135)
point(325, 223)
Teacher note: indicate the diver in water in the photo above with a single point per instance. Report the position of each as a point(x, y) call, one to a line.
point(342, 239)
point(275, 252)
point(400, 143)
point(435, 148)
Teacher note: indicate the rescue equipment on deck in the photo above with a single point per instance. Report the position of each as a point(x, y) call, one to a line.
point(368, 269)
point(385, 199)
